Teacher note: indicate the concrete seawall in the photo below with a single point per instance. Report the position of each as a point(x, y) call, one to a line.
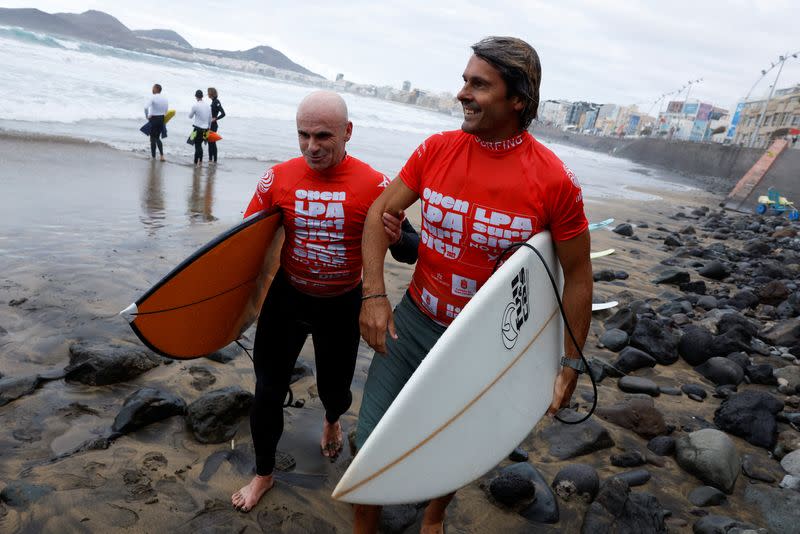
point(725, 164)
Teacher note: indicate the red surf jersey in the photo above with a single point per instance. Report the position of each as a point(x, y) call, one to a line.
point(477, 198)
point(323, 216)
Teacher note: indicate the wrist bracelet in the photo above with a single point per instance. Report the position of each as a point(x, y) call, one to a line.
point(374, 296)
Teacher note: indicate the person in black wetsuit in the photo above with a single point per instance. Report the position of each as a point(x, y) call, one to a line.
point(217, 113)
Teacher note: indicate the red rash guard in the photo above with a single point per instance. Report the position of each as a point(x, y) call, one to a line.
point(477, 198)
point(323, 216)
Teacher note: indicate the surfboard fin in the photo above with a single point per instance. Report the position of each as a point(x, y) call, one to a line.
point(130, 312)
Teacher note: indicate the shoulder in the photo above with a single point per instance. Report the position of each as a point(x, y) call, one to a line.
point(548, 163)
point(441, 141)
point(366, 174)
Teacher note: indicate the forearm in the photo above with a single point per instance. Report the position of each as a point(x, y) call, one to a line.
point(577, 300)
point(373, 250)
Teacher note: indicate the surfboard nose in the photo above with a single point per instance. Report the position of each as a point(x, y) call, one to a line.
point(130, 312)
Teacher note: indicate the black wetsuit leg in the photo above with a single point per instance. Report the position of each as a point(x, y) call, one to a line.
point(335, 333)
point(280, 336)
point(212, 147)
point(198, 144)
point(156, 125)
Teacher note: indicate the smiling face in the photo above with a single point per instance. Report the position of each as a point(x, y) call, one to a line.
point(488, 111)
point(323, 130)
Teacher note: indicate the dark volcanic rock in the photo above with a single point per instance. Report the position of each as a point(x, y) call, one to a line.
point(695, 345)
point(785, 333)
point(656, 340)
point(512, 489)
point(672, 276)
point(714, 270)
point(12, 388)
point(757, 469)
point(605, 275)
point(711, 456)
point(146, 406)
point(761, 374)
point(696, 286)
point(617, 509)
point(544, 508)
point(624, 319)
point(750, 415)
point(636, 477)
point(97, 364)
point(638, 414)
point(577, 479)
point(569, 441)
point(743, 299)
point(629, 458)
point(518, 455)
point(694, 389)
point(624, 229)
point(662, 445)
point(706, 496)
point(631, 359)
point(721, 371)
point(214, 417)
point(773, 293)
point(615, 340)
point(638, 384)
point(720, 524)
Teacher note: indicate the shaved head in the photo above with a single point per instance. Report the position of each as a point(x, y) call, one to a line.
point(325, 105)
point(323, 129)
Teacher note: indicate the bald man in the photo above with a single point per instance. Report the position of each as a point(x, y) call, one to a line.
point(324, 197)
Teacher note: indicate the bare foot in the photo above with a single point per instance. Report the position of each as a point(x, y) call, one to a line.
point(332, 440)
point(432, 528)
point(246, 498)
point(163, 158)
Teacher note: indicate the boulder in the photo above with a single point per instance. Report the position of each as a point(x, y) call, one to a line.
point(750, 415)
point(214, 417)
point(656, 340)
point(638, 414)
point(96, 364)
point(618, 509)
point(711, 456)
point(145, 406)
point(577, 480)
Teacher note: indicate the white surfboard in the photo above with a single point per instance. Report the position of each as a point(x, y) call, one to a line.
point(597, 306)
point(477, 394)
point(599, 225)
point(601, 253)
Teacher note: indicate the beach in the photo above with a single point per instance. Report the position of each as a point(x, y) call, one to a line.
point(87, 229)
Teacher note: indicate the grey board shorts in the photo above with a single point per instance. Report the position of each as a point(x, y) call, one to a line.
point(388, 373)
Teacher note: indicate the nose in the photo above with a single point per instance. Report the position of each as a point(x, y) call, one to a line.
point(313, 145)
point(463, 94)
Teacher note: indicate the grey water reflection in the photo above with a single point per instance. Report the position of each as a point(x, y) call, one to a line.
point(201, 194)
point(153, 199)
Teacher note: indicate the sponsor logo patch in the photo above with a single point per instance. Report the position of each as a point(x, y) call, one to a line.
point(464, 287)
point(517, 311)
point(430, 302)
point(266, 181)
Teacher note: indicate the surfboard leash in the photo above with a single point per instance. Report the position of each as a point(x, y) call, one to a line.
point(289, 403)
point(511, 248)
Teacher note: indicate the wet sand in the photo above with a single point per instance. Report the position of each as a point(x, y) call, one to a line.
point(113, 226)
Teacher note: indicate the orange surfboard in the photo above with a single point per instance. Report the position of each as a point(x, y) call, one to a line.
point(213, 137)
point(214, 295)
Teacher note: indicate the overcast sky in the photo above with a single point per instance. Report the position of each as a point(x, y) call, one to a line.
point(622, 52)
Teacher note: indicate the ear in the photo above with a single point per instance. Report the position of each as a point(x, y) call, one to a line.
point(348, 132)
point(517, 102)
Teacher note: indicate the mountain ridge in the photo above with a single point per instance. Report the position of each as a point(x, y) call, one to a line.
point(103, 28)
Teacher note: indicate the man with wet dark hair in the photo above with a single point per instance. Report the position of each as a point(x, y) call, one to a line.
point(498, 180)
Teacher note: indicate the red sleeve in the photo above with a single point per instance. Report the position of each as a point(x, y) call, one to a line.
point(567, 218)
point(262, 198)
point(411, 173)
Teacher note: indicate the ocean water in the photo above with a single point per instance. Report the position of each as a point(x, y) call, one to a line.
point(59, 87)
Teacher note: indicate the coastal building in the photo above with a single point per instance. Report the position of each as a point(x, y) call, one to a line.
point(692, 121)
point(554, 112)
point(782, 118)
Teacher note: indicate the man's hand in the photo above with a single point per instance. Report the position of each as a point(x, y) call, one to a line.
point(375, 319)
point(562, 390)
point(393, 226)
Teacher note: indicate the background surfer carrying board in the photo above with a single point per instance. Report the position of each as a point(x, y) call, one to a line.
point(482, 188)
point(323, 197)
